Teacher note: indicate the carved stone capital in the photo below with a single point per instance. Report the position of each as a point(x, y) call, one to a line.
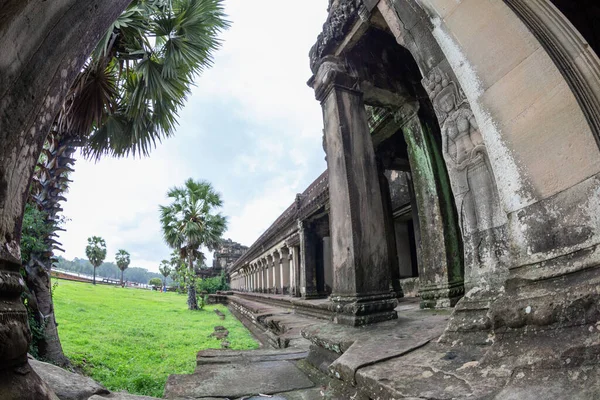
point(332, 72)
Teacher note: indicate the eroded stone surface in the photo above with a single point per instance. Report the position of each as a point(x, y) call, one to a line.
point(121, 396)
point(236, 380)
point(67, 385)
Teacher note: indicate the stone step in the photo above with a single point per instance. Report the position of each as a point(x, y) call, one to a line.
point(233, 380)
point(205, 357)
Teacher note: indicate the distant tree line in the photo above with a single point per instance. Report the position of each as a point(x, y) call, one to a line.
point(108, 270)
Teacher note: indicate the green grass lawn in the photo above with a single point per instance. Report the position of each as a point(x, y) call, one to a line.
point(133, 339)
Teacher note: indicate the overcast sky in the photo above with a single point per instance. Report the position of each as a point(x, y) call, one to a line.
point(252, 128)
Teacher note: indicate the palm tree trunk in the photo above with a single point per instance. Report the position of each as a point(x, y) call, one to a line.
point(94, 281)
point(192, 300)
point(40, 284)
point(49, 183)
point(122, 278)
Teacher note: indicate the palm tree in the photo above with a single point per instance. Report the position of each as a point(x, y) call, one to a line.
point(96, 252)
point(165, 270)
point(189, 223)
point(130, 91)
point(127, 96)
point(123, 259)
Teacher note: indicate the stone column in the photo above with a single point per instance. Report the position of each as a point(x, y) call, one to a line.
point(440, 265)
point(308, 262)
point(286, 269)
point(327, 263)
point(269, 274)
point(277, 272)
point(361, 293)
point(251, 278)
point(390, 232)
point(263, 275)
point(293, 266)
point(257, 277)
point(260, 284)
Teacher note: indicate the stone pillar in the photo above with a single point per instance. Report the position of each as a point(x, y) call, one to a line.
point(293, 273)
point(440, 264)
point(277, 272)
point(286, 271)
point(308, 262)
point(260, 276)
point(361, 292)
point(327, 263)
point(269, 274)
point(390, 233)
point(263, 275)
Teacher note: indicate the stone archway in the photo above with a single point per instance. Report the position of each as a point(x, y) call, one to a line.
point(518, 129)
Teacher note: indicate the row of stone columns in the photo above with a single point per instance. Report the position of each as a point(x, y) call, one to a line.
point(272, 273)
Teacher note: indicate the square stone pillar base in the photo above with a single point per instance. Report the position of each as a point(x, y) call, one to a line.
point(363, 309)
point(441, 296)
point(396, 288)
point(312, 295)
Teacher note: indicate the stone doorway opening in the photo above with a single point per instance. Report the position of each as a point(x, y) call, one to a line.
point(421, 220)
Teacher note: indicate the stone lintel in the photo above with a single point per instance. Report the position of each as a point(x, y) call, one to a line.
point(345, 24)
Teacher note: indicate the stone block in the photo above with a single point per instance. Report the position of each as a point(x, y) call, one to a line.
point(491, 37)
point(553, 133)
point(441, 8)
point(237, 380)
point(67, 385)
point(122, 396)
point(520, 88)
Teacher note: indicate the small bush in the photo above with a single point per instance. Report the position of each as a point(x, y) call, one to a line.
point(156, 282)
point(212, 285)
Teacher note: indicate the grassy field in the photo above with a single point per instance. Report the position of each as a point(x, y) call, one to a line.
point(133, 339)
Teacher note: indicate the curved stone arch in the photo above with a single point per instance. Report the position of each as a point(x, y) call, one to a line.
point(575, 59)
point(464, 150)
point(488, 76)
point(532, 89)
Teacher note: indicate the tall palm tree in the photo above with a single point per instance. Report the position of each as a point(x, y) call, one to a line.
point(128, 95)
point(189, 222)
point(123, 259)
point(96, 252)
point(165, 270)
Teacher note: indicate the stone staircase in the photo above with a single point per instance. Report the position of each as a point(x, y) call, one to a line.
point(234, 374)
point(278, 369)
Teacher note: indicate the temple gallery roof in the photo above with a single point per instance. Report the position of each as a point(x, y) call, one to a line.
point(306, 203)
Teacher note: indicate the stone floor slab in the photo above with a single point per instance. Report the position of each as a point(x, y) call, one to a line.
point(206, 357)
point(368, 352)
point(237, 380)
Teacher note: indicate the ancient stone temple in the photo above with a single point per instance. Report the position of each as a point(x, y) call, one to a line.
point(463, 152)
point(457, 223)
point(225, 255)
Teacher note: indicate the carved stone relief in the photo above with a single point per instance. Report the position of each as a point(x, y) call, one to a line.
point(342, 14)
point(471, 176)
